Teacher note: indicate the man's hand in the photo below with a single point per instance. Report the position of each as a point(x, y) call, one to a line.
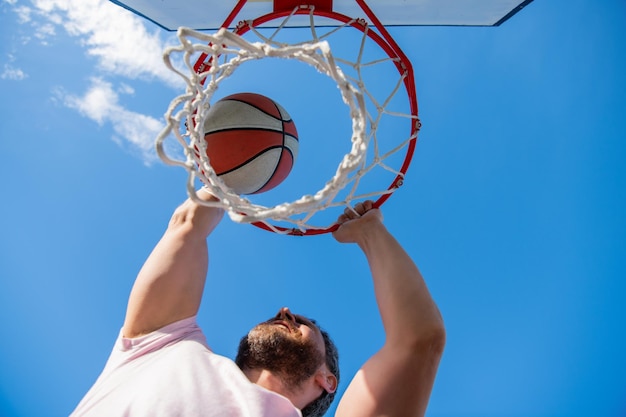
point(355, 223)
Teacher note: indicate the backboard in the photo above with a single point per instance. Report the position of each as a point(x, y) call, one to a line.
point(210, 15)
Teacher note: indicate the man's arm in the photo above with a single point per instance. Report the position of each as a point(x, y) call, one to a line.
point(169, 286)
point(398, 379)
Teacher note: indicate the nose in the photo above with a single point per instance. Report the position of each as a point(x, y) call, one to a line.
point(286, 314)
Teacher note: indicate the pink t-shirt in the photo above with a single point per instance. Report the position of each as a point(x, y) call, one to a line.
point(172, 372)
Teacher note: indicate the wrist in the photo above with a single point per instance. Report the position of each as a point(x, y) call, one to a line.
point(370, 233)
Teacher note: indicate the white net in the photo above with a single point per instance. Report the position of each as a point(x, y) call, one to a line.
point(224, 52)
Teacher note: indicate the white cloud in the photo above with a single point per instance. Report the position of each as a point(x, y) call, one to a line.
point(44, 32)
point(11, 73)
point(23, 13)
point(126, 89)
point(117, 38)
point(121, 45)
point(100, 103)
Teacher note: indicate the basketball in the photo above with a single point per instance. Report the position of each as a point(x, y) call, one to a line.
point(252, 143)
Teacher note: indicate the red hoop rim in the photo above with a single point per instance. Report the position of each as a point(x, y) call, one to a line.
point(383, 40)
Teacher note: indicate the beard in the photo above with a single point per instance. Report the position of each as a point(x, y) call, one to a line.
point(287, 355)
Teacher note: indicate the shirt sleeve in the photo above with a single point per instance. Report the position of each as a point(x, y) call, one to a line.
point(128, 349)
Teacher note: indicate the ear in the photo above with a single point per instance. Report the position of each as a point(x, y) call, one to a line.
point(325, 379)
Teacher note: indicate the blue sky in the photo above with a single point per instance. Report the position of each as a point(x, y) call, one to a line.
point(513, 208)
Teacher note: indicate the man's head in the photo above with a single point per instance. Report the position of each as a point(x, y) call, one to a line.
point(298, 352)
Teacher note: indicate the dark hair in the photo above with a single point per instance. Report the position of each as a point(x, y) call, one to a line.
point(319, 406)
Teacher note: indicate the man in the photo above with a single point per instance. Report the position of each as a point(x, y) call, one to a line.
point(162, 366)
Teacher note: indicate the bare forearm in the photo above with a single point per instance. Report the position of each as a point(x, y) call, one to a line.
point(407, 309)
point(170, 284)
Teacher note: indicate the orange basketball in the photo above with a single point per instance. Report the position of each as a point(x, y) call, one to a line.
point(252, 143)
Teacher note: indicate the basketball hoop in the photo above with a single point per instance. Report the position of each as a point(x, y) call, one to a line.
point(208, 59)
